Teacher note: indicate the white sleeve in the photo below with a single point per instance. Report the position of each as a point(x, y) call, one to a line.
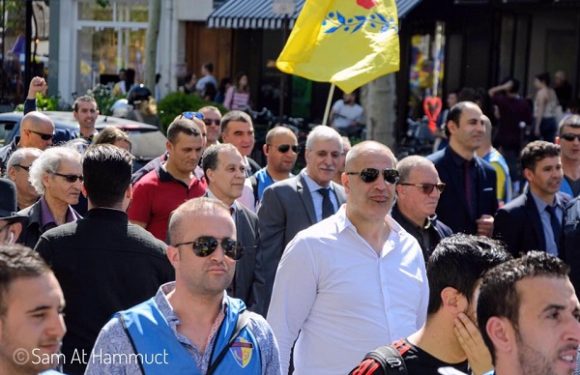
point(247, 197)
point(293, 295)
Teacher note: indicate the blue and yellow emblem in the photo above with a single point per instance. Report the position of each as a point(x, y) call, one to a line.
point(242, 351)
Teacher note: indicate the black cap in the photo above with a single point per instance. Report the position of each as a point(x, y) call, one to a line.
point(8, 201)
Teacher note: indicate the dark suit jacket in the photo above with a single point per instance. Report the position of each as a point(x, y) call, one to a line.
point(104, 264)
point(32, 231)
point(286, 209)
point(247, 233)
point(570, 250)
point(519, 226)
point(452, 208)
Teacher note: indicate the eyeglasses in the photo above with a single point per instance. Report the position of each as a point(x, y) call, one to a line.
point(427, 189)
point(570, 137)
point(209, 122)
point(27, 169)
point(43, 136)
point(369, 175)
point(206, 245)
point(192, 115)
point(285, 148)
point(72, 178)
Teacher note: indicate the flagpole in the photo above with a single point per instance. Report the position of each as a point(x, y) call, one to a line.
point(328, 103)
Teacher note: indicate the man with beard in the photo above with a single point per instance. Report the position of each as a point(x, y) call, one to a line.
point(533, 221)
point(57, 176)
point(450, 337)
point(31, 318)
point(352, 281)
point(528, 315)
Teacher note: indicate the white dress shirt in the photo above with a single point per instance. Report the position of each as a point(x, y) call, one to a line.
point(341, 299)
point(317, 198)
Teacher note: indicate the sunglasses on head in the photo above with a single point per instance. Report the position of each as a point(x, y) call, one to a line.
point(205, 245)
point(192, 115)
point(426, 188)
point(209, 122)
point(43, 136)
point(369, 175)
point(285, 148)
point(570, 137)
point(72, 178)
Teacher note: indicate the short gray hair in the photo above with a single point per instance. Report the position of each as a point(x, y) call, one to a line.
point(20, 154)
point(322, 133)
point(49, 162)
point(407, 164)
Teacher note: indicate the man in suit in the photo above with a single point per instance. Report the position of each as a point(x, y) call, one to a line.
point(103, 263)
point(225, 174)
point(418, 192)
point(469, 200)
point(533, 220)
point(294, 204)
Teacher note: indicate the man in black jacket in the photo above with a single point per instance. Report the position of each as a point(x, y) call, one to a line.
point(103, 263)
point(418, 192)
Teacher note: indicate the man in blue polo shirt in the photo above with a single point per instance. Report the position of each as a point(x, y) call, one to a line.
point(191, 326)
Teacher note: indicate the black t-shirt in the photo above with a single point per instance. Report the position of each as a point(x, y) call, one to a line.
point(418, 362)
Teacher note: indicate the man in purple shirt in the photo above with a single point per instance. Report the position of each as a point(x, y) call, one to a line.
point(57, 176)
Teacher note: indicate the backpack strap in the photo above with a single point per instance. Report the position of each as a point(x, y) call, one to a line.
point(243, 320)
point(384, 360)
point(254, 182)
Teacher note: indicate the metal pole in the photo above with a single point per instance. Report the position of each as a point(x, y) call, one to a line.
point(283, 76)
point(27, 46)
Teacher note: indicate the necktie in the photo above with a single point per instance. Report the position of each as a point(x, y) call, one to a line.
point(327, 207)
point(555, 223)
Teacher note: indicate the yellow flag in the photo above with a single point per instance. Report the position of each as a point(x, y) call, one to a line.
point(346, 42)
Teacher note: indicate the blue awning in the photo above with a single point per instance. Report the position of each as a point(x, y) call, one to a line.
point(258, 14)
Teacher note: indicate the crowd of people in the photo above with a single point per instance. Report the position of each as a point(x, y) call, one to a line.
point(205, 262)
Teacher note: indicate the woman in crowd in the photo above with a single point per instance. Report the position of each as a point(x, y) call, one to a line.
point(545, 109)
point(238, 96)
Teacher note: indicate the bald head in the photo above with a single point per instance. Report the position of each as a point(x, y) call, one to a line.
point(366, 148)
point(410, 163)
point(36, 130)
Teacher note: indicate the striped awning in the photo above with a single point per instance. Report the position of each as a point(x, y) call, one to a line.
point(258, 14)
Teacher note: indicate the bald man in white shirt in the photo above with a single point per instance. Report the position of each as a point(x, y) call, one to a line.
point(352, 281)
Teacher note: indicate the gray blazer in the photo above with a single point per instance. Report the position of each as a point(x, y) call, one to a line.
point(286, 209)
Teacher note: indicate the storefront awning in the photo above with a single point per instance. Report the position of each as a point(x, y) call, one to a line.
point(258, 14)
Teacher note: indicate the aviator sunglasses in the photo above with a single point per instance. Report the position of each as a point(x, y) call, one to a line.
point(427, 189)
point(285, 148)
point(205, 245)
point(369, 175)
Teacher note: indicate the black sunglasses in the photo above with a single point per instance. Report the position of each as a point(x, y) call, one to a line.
point(426, 188)
point(369, 175)
point(192, 115)
point(43, 136)
point(27, 169)
point(72, 178)
point(209, 122)
point(205, 245)
point(570, 137)
point(285, 148)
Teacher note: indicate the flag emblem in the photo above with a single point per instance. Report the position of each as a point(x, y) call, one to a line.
point(242, 351)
